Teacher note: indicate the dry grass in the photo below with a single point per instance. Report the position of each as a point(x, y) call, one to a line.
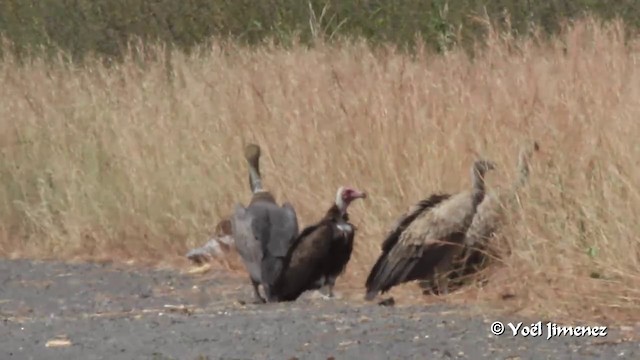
point(118, 164)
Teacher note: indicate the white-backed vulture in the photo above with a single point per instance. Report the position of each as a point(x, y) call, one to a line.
point(321, 251)
point(491, 214)
point(424, 241)
point(263, 232)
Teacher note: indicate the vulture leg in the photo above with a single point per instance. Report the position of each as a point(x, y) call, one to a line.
point(442, 284)
point(331, 282)
point(326, 282)
point(258, 298)
point(321, 295)
point(443, 270)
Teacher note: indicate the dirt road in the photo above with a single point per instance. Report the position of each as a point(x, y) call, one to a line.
point(88, 311)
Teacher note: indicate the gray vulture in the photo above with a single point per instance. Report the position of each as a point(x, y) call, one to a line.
point(321, 251)
point(263, 232)
point(491, 215)
point(425, 240)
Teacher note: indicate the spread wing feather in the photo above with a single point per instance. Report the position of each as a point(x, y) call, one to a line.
point(275, 229)
point(386, 273)
point(246, 243)
point(305, 261)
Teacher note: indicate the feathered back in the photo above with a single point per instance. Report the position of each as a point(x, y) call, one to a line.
point(303, 263)
point(491, 212)
point(262, 197)
point(398, 228)
point(451, 216)
point(421, 241)
point(401, 224)
point(244, 240)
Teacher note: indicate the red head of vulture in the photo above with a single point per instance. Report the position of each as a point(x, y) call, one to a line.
point(263, 232)
point(423, 241)
point(321, 251)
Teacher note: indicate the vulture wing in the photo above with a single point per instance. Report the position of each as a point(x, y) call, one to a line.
point(278, 230)
point(406, 219)
point(485, 222)
point(284, 229)
point(306, 258)
point(421, 246)
point(341, 251)
point(375, 280)
point(246, 244)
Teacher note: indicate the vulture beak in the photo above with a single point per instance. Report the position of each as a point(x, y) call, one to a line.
point(359, 195)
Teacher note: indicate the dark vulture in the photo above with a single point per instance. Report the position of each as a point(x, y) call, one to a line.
point(491, 215)
point(424, 241)
point(263, 232)
point(321, 251)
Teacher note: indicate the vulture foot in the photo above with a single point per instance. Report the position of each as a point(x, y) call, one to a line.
point(251, 302)
point(387, 302)
point(258, 299)
point(329, 294)
point(317, 294)
point(443, 287)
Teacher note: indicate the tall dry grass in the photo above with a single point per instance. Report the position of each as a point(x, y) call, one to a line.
point(120, 163)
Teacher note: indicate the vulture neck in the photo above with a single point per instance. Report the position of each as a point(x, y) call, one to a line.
point(340, 205)
point(255, 181)
point(523, 170)
point(335, 213)
point(262, 196)
point(478, 186)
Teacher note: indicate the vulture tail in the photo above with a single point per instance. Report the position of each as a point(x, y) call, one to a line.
point(381, 269)
point(252, 155)
point(387, 273)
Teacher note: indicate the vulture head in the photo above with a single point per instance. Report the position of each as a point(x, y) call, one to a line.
point(346, 195)
point(252, 154)
point(223, 228)
point(526, 152)
point(481, 167)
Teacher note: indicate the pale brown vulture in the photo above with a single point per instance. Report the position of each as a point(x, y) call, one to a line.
point(425, 240)
point(263, 232)
point(491, 215)
point(321, 251)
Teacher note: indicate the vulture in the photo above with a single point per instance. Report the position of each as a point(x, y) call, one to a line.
point(321, 251)
point(263, 232)
point(490, 216)
point(220, 243)
point(424, 241)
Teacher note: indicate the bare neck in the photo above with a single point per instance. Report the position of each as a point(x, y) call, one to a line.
point(478, 189)
point(523, 171)
point(255, 180)
point(341, 206)
point(262, 196)
point(334, 213)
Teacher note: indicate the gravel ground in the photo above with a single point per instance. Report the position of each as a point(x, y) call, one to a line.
point(54, 310)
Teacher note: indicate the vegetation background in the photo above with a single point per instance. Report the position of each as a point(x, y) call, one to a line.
point(122, 124)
